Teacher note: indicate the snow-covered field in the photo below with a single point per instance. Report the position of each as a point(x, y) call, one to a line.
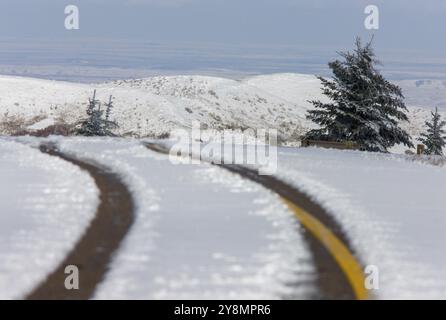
point(155, 106)
point(45, 206)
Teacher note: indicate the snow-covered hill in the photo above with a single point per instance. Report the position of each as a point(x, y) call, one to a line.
point(425, 93)
point(155, 106)
point(421, 96)
point(216, 103)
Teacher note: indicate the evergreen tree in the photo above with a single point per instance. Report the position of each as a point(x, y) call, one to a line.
point(434, 137)
point(95, 124)
point(363, 106)
point(109, 106)
point(108, 125)
point(93, 104)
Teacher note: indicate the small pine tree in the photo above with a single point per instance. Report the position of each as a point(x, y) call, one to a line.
point(108, 125)
point(364, 107)
point(92, 104)
point(109, 106)
point(434, 137)
point(95, 124)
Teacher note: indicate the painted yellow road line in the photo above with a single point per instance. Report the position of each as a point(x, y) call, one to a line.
point(346, 260)
point(340, 252)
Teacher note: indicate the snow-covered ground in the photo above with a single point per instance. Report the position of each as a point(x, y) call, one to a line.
point(45, 206)
point(392, 210)
point(156, 106)
point(152, 106)
point(196, 233)
point(391, 207)
point(200, 232)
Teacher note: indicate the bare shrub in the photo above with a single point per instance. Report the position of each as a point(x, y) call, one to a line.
point(59, 129)
point(56, 129)
point(164, 135)
point(11, 124)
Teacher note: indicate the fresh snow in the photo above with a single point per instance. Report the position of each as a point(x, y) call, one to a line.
point(425, 93)
point(200, 232)
point(156, 106)
point(391, 209)
point(46, 205)
point(42, 124)
point(153, 106)
point(292, 87)
point(196, 233)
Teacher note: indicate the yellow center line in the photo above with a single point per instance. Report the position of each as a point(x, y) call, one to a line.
point(346, 260)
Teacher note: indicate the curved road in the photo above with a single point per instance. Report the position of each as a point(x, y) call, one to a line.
point(93, 252)
point(339, 272)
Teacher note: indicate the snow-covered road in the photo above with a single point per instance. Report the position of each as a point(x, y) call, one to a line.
point(390, 207)
point(45, 206)
point(200, 232)
point(392, 210)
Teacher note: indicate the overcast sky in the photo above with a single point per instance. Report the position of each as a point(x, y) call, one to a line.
point(254, 36)
point(414, 24)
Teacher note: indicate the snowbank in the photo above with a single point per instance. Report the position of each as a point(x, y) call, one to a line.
point(46, 204)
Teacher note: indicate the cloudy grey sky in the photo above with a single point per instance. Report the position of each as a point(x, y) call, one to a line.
point(408, 24)
point(414, 28)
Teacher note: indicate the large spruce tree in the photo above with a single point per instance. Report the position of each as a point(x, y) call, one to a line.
point(434, 137)
point(363, 106)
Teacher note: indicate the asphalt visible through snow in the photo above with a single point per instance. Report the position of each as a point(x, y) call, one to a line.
point(339, 273)
point(93, 253)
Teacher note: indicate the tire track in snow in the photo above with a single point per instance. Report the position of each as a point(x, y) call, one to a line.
point(340, 274)
point(93, 252)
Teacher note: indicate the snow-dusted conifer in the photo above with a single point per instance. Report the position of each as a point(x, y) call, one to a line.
point(108, 125)
point(109, 106)
point(364, 107)
point(434, 137)
point(95, 124)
